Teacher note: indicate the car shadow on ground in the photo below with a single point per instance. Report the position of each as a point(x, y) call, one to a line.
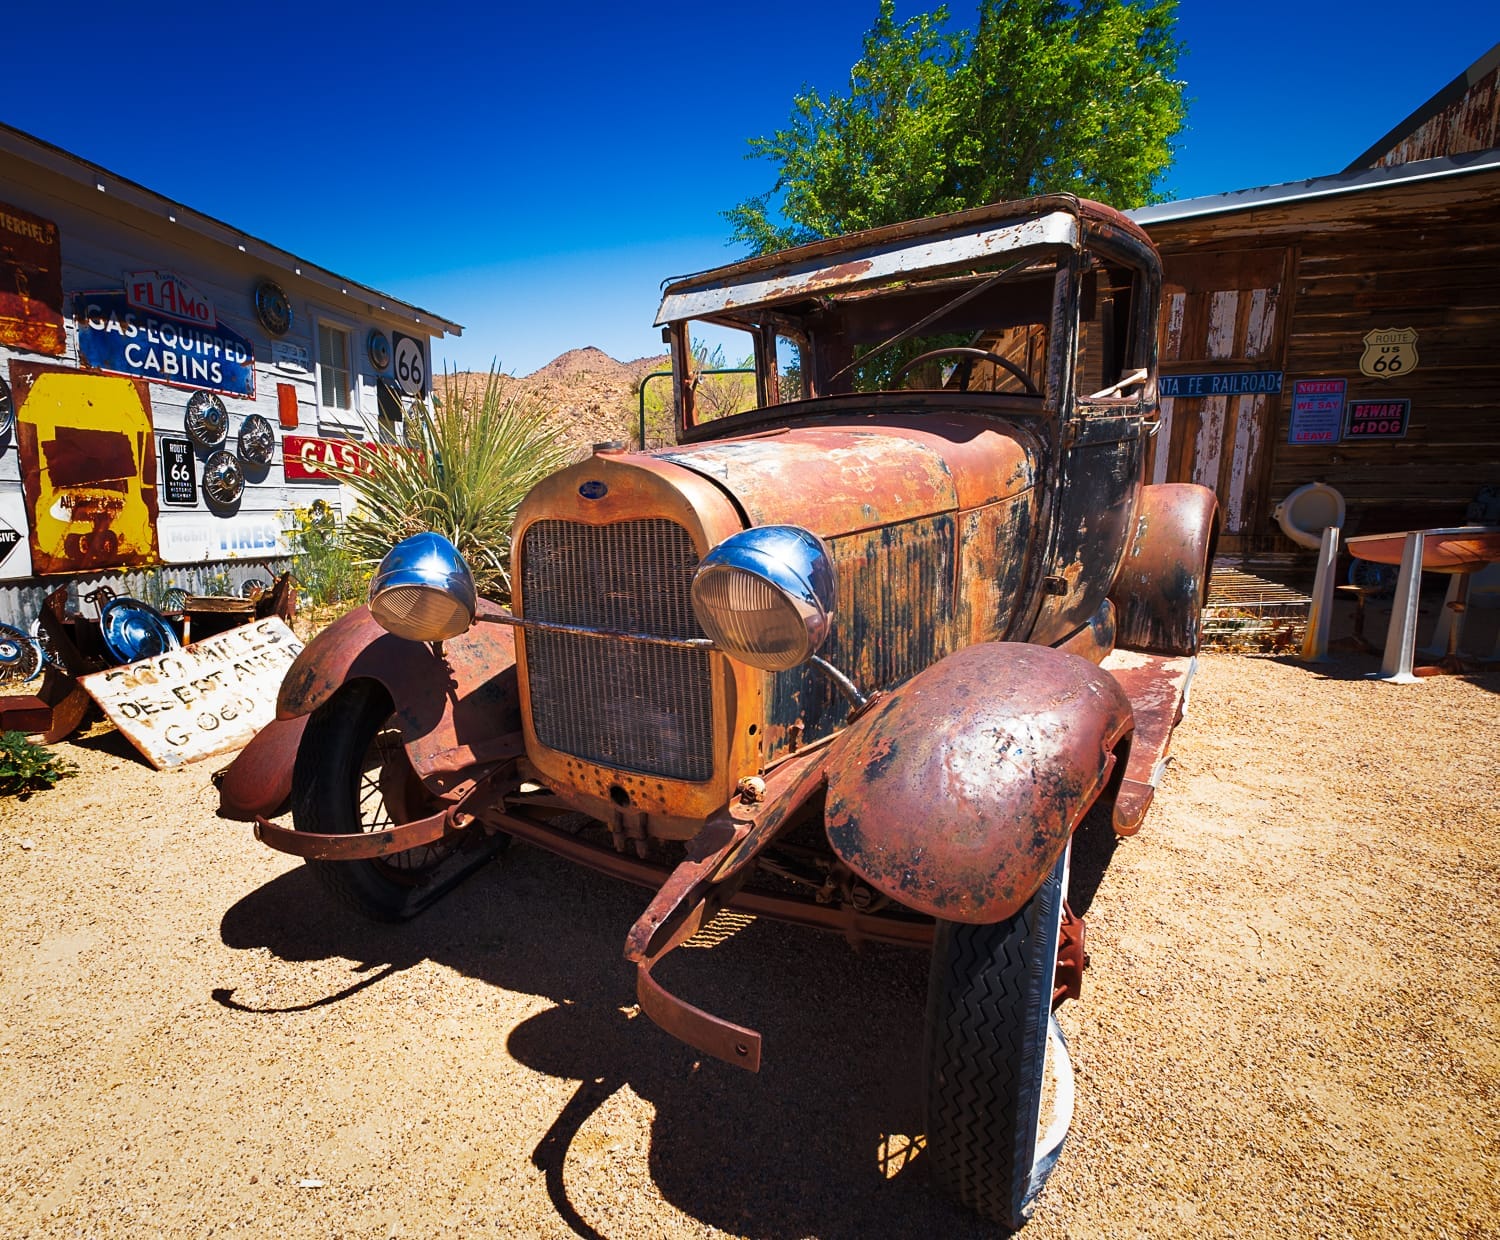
point(818, 1142)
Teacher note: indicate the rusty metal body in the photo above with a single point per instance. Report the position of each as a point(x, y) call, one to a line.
point(994, 551)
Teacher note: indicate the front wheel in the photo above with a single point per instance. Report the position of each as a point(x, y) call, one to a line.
point(352, 775)
point(989, 1004)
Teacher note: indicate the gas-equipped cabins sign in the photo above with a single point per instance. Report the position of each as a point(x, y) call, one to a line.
point(159, 327)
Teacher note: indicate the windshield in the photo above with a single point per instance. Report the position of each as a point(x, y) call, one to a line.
point(985, 329)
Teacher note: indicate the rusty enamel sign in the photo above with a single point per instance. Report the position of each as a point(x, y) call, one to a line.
point(88, 468)
point(207, 698)
point(31, 296)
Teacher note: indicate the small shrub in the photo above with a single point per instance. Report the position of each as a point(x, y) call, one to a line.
point(26, 766)
point(327, 572)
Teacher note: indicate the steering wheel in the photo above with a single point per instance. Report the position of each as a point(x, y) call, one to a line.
point(975, 354)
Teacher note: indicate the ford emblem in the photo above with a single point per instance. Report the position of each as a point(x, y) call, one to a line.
point(593, 489)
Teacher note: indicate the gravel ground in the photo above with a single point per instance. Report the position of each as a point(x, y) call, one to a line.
point(1289, 1026)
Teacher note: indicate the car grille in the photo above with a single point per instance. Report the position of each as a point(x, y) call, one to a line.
point(629, 705)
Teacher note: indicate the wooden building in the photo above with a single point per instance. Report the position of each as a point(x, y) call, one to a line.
point(170, 385)
point(1343, 330)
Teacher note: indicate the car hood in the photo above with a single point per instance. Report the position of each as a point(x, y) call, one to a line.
point(856, 475)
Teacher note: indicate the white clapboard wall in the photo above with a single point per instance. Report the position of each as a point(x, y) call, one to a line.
point(103, 239)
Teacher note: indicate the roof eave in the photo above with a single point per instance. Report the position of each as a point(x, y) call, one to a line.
point(1317, 187)
point(20, 145)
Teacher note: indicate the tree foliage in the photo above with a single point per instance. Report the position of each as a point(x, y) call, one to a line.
point(1044, 96)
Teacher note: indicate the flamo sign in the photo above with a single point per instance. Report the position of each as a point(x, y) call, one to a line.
point(160, 292)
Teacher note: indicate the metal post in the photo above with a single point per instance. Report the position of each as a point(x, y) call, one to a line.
point(1447, 619)
point(1315, 640)
point(1401, 637)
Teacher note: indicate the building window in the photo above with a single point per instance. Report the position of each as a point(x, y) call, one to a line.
point(334, 386)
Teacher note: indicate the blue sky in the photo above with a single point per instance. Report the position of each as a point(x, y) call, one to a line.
point(533, 172)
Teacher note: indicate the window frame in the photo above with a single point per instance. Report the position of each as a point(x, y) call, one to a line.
point(350, 418)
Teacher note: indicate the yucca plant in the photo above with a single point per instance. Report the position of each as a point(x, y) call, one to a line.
point(468, 463)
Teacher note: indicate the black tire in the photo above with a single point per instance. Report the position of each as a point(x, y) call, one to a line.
point(988, 1004)
point(350, 768)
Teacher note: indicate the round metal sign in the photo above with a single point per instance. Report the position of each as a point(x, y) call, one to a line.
point(273, 308)
point(223, 479)
point(380, 350)
point(206, 420)
point(257, 440)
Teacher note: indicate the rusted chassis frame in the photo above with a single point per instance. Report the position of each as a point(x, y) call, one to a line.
point(953, 795)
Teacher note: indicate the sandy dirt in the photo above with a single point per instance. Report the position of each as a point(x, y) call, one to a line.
point(1289, 1027)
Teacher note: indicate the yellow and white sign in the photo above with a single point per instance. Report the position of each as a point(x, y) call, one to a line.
point(205, 699)
point(1389, 352)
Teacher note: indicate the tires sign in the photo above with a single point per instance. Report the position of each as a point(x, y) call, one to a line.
point(409, 363)
point(180, 483)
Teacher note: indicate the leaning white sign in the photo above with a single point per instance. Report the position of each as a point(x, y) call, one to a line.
point(205, 699)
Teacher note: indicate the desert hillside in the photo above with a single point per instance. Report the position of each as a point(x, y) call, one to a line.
point(594, 395)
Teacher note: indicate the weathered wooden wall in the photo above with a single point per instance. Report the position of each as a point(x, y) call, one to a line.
point(1422, 255)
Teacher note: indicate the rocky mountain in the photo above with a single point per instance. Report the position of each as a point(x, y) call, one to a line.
point(593, 396)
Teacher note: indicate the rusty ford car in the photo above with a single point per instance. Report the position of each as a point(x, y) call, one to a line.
point(859, 651)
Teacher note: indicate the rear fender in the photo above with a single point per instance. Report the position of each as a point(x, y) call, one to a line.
point(956, 794)
point(454, 711)
point(1162, 584)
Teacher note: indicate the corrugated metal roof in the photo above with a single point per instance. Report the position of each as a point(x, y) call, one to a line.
point(15, 143)
point(1318, 187)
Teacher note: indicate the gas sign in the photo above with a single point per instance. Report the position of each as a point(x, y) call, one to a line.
point(306, 458)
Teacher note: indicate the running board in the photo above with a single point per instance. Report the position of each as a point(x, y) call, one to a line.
point(1157, 687)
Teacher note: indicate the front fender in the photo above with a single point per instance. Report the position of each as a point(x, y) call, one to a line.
point(454, 710)
point(956, 794)
point(1162, 583)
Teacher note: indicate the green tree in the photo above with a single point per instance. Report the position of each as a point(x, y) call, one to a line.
point(1044, 96)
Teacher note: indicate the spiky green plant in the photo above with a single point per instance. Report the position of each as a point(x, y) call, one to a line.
point(469, 462)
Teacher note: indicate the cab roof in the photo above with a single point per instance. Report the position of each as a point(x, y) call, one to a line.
point(900, 251)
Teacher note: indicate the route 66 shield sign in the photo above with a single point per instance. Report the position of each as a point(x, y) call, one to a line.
point(1389, 351)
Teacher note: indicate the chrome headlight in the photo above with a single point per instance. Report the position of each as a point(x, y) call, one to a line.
point(423, 590)
point(766, 596)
